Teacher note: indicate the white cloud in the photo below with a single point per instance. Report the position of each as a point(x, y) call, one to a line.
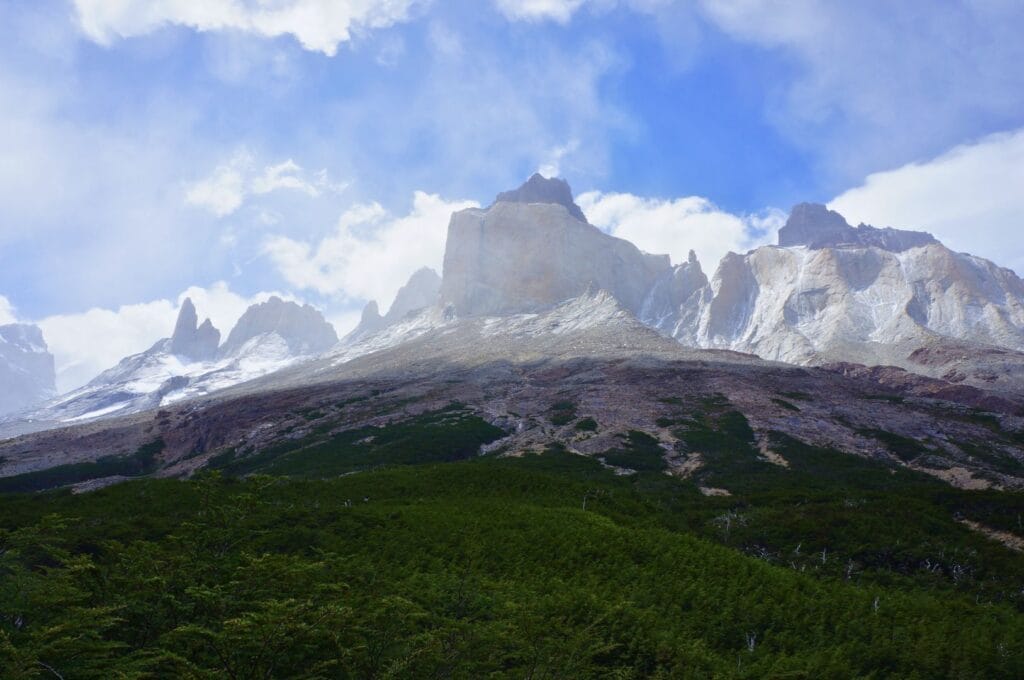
point(971, 198)
point(7, 314)
point(552, 165)
point(372, 253)
point(878, 86)
point(232, 182)
point(678, 225)
point(318, 25)
point(539, 10)
point(87, 343)
point(221, 193)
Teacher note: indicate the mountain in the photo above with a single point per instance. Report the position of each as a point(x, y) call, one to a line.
point(521, 277)
point(533, 249)
point(198, 343)
point(469, 449)
point(268, 337)
point(26, 368)
point(815, 226)
point(420, 292)
point(831, 292)
point(301, 327)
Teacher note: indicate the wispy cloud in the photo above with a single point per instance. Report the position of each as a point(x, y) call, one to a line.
point(371, 253)
point(879, 84)
point(970, 197)
point(539, 10)
point(676, 226)
point(318, 25)
point(7, 314)
point(231, 183)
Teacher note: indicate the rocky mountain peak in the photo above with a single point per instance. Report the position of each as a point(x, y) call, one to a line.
point(420, 292)
point(190, 340)
point(371, 314)
point(815, 226)
point(540, 189)
point(26, 368)
point(302, 327)
point(526, 253)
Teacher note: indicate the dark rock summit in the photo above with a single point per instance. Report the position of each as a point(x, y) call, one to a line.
point(192, 342)
point(815, 226)
point(540, 189)
point(302, 327)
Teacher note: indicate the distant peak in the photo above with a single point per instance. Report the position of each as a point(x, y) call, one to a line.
point(815, 226)
point(191, 340)
point(811, 221)
point(371, 310)
point(540, 189)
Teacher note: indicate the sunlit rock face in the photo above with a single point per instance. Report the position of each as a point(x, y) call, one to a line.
point(675, 302)
point(834, 292)
point(27, 374)
point(532, 249)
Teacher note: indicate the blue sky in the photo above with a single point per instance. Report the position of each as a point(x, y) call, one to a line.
point(233, 148)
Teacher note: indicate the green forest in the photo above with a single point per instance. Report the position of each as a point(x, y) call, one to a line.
point(433, 562)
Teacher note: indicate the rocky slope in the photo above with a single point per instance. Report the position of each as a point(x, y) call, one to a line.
point(909, 339)
point(535, 374)
point(27, 374)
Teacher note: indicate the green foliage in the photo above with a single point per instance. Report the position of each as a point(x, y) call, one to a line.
point(639, 451)
point(446, 435)
point(562, 413)
point(547, 565)
point(487, 567)
point(904, 448)
point(142, 462)
point(587, 424)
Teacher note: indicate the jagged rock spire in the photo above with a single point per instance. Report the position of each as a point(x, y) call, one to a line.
point(190, 340)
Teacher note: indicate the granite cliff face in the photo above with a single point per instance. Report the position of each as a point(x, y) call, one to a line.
point(27, 374)
point(831, 292)
point(533, 249)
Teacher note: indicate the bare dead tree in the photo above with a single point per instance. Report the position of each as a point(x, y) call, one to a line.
point(751, 642)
